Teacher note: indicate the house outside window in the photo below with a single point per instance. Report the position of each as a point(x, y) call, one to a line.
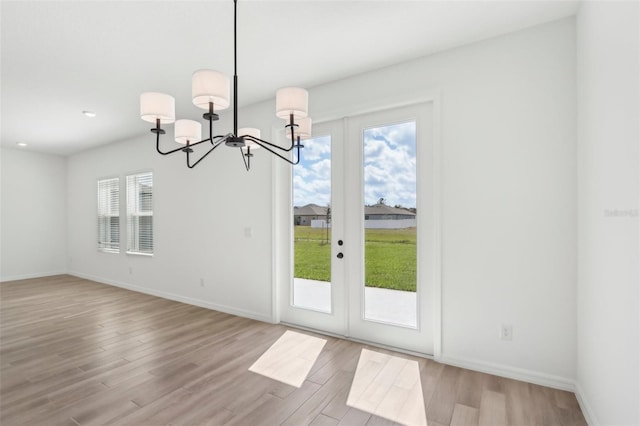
point(140, 213)
point(109, 215)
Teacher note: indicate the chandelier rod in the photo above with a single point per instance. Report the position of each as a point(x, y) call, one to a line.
point(235, 68)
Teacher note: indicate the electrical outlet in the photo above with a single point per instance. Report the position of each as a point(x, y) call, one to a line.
point(248, 232)
point(506, 332)
point(201, 282)
point(130, 270)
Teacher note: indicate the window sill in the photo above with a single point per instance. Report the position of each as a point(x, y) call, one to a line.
point(104, 250)
point(135, 253)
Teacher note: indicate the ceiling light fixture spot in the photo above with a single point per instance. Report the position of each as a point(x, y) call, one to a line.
point(22, 144)
point(89, 113)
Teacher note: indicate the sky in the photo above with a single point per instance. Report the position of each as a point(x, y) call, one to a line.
point(389, 167)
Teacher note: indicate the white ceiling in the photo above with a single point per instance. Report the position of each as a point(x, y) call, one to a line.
point(60, 58)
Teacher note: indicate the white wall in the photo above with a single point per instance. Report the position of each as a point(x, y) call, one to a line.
point(508, 207)
point(33, 215)
point(608, 331)
point(200, 216)
point(508, 194)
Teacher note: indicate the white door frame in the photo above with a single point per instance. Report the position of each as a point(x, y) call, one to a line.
point(281, 206)
point(420, 338)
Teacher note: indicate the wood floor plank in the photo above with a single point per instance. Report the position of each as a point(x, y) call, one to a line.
point(337, 407)
point(275, 411)
point(354, 417)
point(379, 421)
point(544, 409)
point(440, 408)
point(568, 408)
point(518, 403)
point(493, 409)
point(465, 416)
point(161, 411)
point(322, 420)
point(319, 400)
point(430, 372)
point(342, 359)
point(469, 388)
point(75, 352)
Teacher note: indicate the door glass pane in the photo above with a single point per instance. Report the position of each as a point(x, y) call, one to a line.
point(312, 226)
point(390, 224)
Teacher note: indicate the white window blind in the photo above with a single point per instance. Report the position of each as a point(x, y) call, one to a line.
point(109, 215)
point(140, 213)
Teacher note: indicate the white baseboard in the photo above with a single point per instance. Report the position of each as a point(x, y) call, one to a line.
point(178, 298)
point(529, 376)
point(587, 411)
point(30, 276)
point(524, 375)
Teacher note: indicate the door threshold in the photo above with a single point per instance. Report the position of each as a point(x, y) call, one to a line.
point(364, 342)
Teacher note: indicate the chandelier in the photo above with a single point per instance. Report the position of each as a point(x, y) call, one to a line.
point(210, 91)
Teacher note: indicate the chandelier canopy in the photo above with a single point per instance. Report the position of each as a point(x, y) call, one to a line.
point(210, 90)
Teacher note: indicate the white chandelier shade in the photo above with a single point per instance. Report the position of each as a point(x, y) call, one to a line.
point(187, 131)
point(303, 130)
point(250, 131)
point(292, 101)
point(210, 86)
point(157, 106)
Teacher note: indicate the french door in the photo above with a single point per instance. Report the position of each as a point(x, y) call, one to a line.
point(362, 230)
point(312, 287)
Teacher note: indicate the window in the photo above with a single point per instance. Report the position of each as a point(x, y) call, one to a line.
point(140, 213)
point(109, 215)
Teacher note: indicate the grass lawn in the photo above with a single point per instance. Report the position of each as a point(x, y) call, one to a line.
point(390, 257)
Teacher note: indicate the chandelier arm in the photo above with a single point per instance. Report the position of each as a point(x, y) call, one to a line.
point(217, 144)
point(247, 161)
point(168, 152)
point(261, 141)
point(209, 139)
point(158, 131)
point(298, 146)
point(182, 148)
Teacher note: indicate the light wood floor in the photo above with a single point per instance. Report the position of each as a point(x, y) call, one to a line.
point(74, 352)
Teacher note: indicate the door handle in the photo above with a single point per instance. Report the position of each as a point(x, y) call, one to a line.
point(340, 256)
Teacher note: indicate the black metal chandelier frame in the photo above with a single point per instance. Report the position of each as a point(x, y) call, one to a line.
point(233, 139)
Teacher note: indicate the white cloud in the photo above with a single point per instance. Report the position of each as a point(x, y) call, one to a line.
point(312, 177)
point(389, 167)
point(317, 148)
point(322, 169)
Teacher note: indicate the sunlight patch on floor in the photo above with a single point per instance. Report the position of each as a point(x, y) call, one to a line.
point(388, 386)
point(290, 358)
